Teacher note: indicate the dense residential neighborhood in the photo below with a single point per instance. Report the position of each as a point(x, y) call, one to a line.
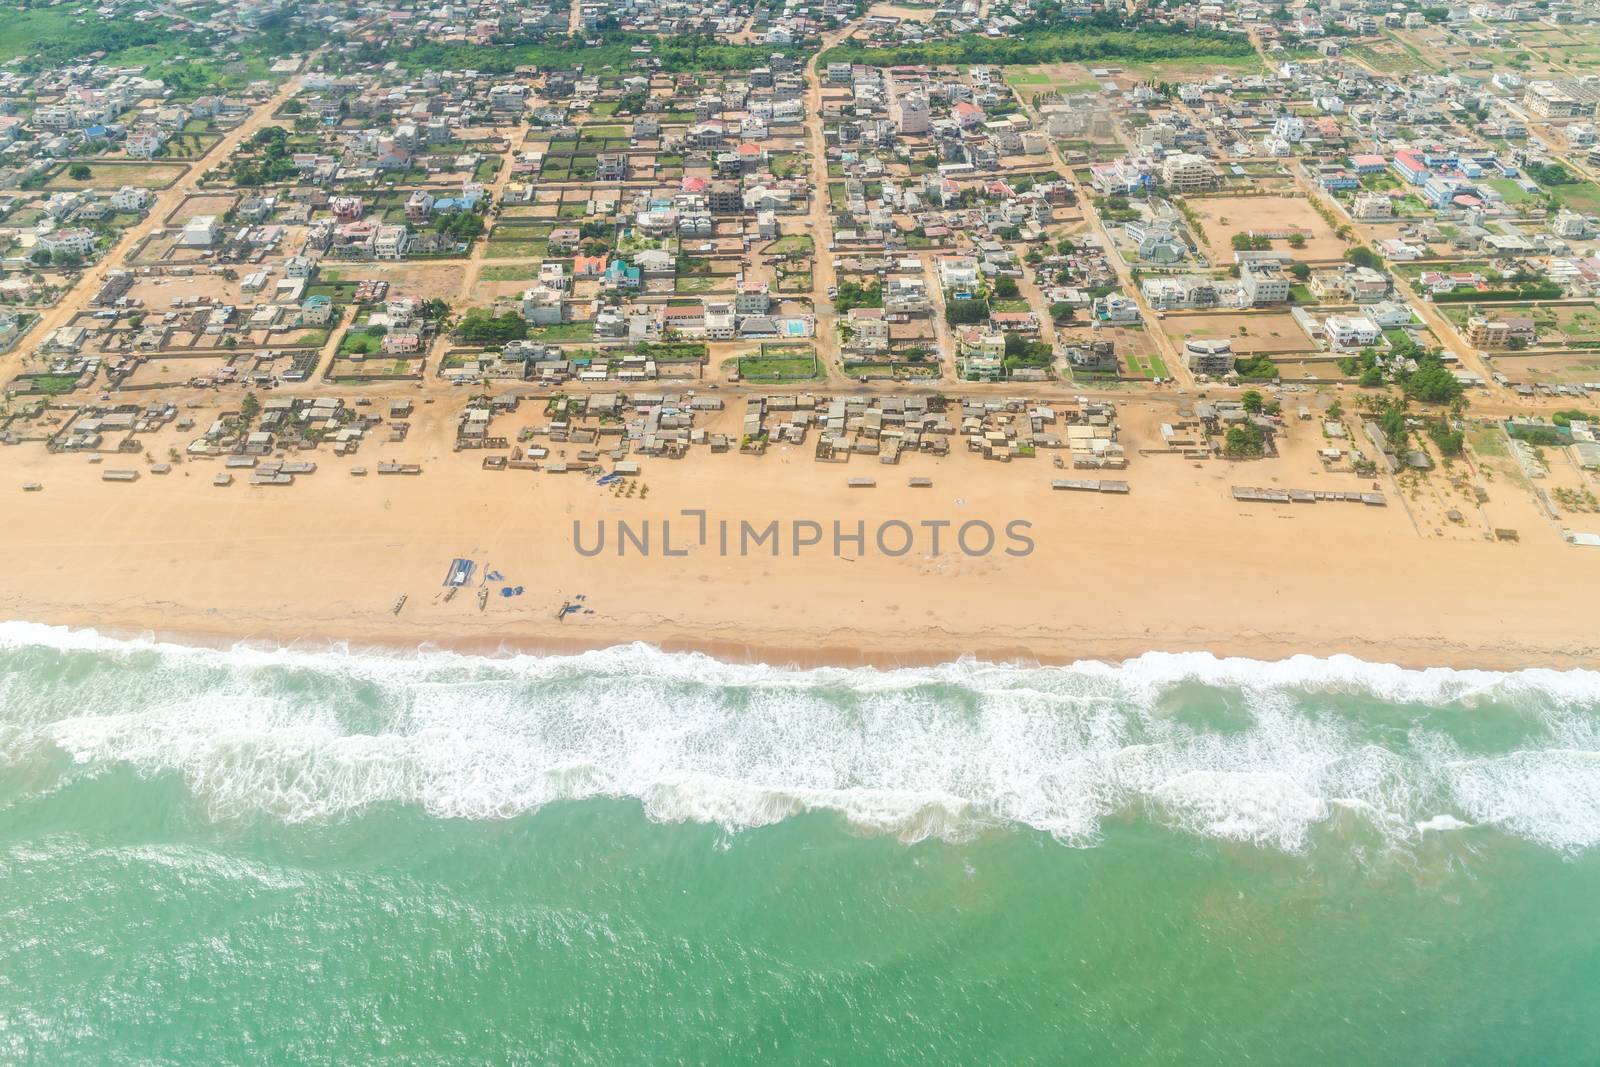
point(1183, 201)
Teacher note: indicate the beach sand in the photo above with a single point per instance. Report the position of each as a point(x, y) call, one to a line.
point(1176, 565)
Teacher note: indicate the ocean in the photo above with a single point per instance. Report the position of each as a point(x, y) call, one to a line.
point(631, 857)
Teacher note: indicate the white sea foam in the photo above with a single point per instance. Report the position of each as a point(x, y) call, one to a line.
point(1227, 748)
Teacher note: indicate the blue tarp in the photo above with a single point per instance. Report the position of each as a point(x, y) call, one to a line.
point(460, 572)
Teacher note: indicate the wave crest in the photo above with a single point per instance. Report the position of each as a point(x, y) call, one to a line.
point(1226, 748)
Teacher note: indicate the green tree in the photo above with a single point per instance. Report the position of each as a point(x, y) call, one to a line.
point(80, 172)
point(1251, 401)
point(1432, 383)
point(959, 312)
point(1243, 440)
point(1362, 256)
point(1450, 442)
point(1005, 287)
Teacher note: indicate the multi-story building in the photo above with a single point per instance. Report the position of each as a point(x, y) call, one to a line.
point(1487, 333)
point(391, 242)
point(1551, 100)
point(1351, 331)
point(76, 241)
point(1371, 206)
point(1263, 282)
point(1186, 172)
point(725, 198)
point(911, 114)
point(1210, 356)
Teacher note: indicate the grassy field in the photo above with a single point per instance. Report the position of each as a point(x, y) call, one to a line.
point(793, 244)
point(115, 175)
point(1582, 197)
point(562, 331)
point(1193, 65)
point(535, 249)
point(1147, 367)
point(779, 368)
point(509, 273)
point(1510, 190)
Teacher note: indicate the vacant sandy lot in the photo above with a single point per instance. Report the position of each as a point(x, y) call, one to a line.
point(116, 175)
point(1251, 332)
point(1225, 216)
point(217, 204)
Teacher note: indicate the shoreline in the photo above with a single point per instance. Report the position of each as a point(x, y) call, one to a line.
point(1177, 565)
point(797, 657)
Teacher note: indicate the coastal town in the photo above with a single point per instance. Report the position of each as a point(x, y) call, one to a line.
point(1265, 254)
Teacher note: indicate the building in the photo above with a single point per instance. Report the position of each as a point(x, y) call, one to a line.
point(911, 114)
point(868, 330)
point(201, 232)
point(1164, 293)
point(725, 198)
point(1213, 357)
point(419, 206)
point(1487, 333)
point(73, 242)
point(1263, 282)
point(752, 300)
point(958, 273)
point(316, 311)
point(131, 198)
point(542, 305)
point(1185, 172)
point(391, 242)
point(1351, 331)
point(1371, 206)
point(1550, 100)
point(144, 144)
point(1409, 166)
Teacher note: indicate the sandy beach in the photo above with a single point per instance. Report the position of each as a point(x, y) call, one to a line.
point(1176, 565)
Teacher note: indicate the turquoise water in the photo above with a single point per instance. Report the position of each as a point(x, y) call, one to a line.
point(631, 857)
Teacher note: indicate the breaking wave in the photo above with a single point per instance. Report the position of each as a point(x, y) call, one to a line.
point(1226, 748)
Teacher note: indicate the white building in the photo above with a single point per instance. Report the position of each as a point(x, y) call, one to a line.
point(201, 231)
point(542, 305)
point(77, 242)
point(1263, 282)
point(1289, 127)
point(1186, 172)
point(131, 198)
point(1373, 206)
point(1351, 331)
point(391, 242)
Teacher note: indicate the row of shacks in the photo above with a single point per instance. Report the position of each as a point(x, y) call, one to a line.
point(1254, 495)
point(615, 424)
point(889, 426)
